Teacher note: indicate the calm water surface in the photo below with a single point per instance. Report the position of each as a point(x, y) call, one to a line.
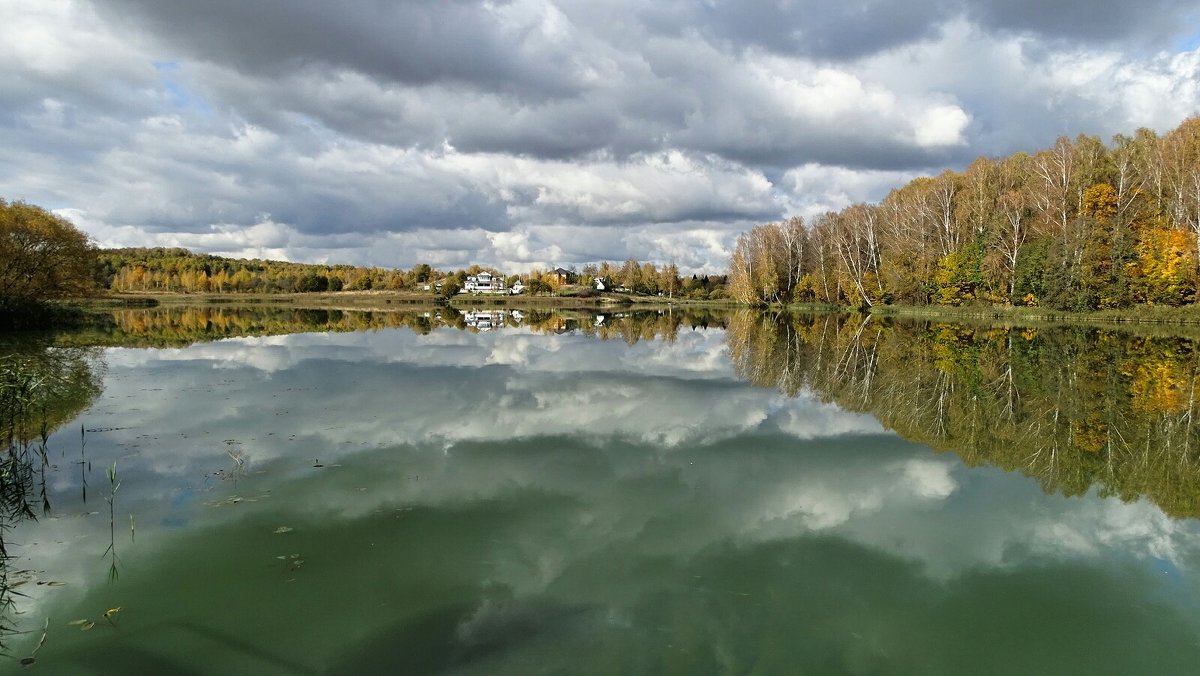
point(569, 494)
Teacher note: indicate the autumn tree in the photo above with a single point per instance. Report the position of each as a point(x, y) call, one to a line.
point(856, 241)
point(1014, 215)
point(1181, 158)
point(42, 257)
point(757, 273)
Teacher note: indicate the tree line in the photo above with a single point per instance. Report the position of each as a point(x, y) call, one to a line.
point(177, 270)
point(180, 270)
point(43, 257)
point(1081, 226)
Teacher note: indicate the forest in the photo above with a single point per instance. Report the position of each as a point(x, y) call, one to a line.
point(1080, 226)
point(179, 270)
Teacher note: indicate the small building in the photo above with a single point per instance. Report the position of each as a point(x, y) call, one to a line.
point(484, 282)
point(564, 275)
point(516, 288)
point(600, 285)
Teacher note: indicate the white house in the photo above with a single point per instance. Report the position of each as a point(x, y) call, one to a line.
point(517, 288)
point(484, 282)
point(600, 284)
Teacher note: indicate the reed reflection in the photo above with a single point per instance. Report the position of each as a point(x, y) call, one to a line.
point(41, 388)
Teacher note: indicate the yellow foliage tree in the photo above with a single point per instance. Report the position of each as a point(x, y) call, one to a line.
point(42, 257)
point(1164, 271)
point(1100, 202)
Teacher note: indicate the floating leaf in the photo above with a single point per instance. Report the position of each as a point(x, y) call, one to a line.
point(283, 529)
point(76, 623)
point(108, 614)
point(87, 626)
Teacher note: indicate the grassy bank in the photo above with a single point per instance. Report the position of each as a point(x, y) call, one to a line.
point(348, 300)
point(1186, 315)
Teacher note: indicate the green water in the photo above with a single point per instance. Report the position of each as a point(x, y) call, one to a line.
point(329, 493)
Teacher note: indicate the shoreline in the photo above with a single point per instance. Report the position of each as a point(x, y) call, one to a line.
point(1162, 316)
point(391, 300)
point(1183, 316)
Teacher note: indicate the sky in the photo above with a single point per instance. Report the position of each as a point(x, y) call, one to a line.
point(538, 133)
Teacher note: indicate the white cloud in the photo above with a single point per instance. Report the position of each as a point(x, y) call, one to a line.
point(942, 126)
point(538, 132)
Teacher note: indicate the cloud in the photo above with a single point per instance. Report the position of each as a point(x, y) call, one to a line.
point(810, 28)
point(1148, 23)
point(476, 132)
point(516, 47)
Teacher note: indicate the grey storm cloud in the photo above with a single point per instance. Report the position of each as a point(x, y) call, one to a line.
point(413, 42)
point(827, 30)
point(841, 31)
point(1142, 24)
point(529, 132)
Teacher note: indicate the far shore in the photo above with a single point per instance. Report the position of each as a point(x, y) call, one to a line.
point(1186, 316)
point(397, 300)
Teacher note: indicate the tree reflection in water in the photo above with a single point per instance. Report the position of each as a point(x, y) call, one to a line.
point(1073, 407)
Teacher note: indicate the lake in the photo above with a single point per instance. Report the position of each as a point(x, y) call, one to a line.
point(273, 491)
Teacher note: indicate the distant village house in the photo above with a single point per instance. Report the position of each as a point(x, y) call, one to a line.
point(486, 282)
